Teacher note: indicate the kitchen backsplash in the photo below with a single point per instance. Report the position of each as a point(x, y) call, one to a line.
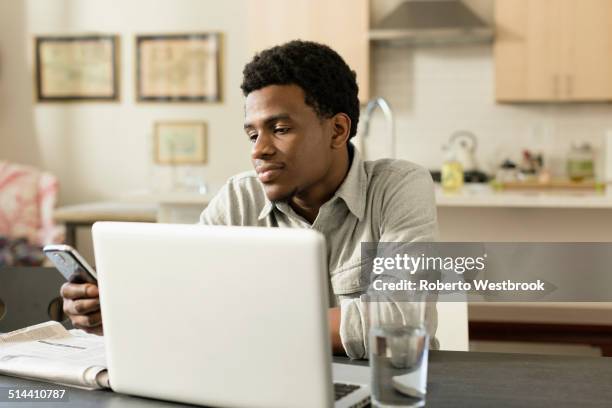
point(435, 91)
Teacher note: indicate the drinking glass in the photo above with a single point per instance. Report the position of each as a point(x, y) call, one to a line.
point(399, 348)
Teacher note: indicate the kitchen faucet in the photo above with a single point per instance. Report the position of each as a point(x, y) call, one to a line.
point(386, 109)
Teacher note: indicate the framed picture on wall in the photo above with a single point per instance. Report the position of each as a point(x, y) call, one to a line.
point(77, 68)
point(180, 142)
point(178, 68)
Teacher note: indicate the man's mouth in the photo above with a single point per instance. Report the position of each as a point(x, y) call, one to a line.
point(269, 172)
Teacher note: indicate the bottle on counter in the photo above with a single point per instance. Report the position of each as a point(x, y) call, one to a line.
point(452, 171)
point(580, 162)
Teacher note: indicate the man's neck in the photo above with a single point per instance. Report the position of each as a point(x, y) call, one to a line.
point(307, 205)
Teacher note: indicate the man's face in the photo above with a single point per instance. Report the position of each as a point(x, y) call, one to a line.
point(292, 150)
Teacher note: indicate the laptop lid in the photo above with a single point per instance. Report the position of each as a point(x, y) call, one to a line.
point(223, 316)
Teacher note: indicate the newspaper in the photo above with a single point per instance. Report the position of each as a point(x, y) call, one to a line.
point(48, 352)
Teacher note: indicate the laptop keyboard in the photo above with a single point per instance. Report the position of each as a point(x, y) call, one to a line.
point(342, 390)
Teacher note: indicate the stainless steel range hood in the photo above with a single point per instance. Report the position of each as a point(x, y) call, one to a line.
point(431, 22)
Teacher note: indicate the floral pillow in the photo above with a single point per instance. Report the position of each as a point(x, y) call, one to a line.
point(19, 207)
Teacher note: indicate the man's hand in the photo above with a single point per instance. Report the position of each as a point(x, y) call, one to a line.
point(82, 305)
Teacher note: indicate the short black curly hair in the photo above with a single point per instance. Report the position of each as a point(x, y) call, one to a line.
point(329, 84)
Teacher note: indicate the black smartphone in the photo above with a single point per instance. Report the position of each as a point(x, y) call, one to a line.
point(70, 264)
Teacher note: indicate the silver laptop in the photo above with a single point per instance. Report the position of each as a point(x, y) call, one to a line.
point(219, 316)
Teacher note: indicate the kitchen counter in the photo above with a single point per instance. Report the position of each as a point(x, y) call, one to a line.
point(472, 195)
point(482, 195)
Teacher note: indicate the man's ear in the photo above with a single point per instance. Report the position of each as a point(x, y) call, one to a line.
point(341, 128)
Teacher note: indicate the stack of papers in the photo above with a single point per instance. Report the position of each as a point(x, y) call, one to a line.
point(48, 352)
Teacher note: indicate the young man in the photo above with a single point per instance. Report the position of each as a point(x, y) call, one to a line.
point(301, 111)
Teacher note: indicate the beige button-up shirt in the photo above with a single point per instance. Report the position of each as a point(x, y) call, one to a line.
point(379, 201)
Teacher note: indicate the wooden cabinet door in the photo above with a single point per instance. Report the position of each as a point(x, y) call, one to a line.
point(553, 50)
point(341, 24)
point(526, 51)
point(587, 72)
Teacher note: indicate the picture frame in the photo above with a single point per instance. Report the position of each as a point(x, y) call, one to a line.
point(76, 68)
point(178, 67)
point(180, 142)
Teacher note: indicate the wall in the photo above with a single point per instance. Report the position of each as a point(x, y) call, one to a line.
point(18, 138)
point(437, 90)
point(101, 150)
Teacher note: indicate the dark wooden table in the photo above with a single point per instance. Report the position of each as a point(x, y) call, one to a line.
point(456, 379)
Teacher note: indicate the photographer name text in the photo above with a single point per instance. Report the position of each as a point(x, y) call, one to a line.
point(480, 285)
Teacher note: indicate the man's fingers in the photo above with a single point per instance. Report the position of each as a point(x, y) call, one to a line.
point(79, 290)
point(82, 306)
point(87, 321)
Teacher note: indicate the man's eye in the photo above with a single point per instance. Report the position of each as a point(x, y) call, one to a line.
point(282, 130)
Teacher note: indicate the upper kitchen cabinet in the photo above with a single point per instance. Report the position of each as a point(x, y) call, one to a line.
point(341, 24)
point(553, 50)
point(589, 50)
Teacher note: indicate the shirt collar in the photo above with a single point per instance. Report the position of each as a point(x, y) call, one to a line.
point(267, 209)
point(352, 190)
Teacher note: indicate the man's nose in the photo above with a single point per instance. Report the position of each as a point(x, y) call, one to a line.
point(263, 146)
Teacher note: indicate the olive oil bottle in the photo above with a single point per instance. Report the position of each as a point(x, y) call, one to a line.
point(452, 172)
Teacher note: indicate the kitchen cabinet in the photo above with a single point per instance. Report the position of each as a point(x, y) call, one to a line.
point(553, 50)
point(341, 24)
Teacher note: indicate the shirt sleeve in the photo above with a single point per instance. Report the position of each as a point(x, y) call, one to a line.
point(216, 212)
point(408, 214)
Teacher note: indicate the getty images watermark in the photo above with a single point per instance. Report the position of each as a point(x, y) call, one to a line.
point(490, 272)
point(459, 265)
